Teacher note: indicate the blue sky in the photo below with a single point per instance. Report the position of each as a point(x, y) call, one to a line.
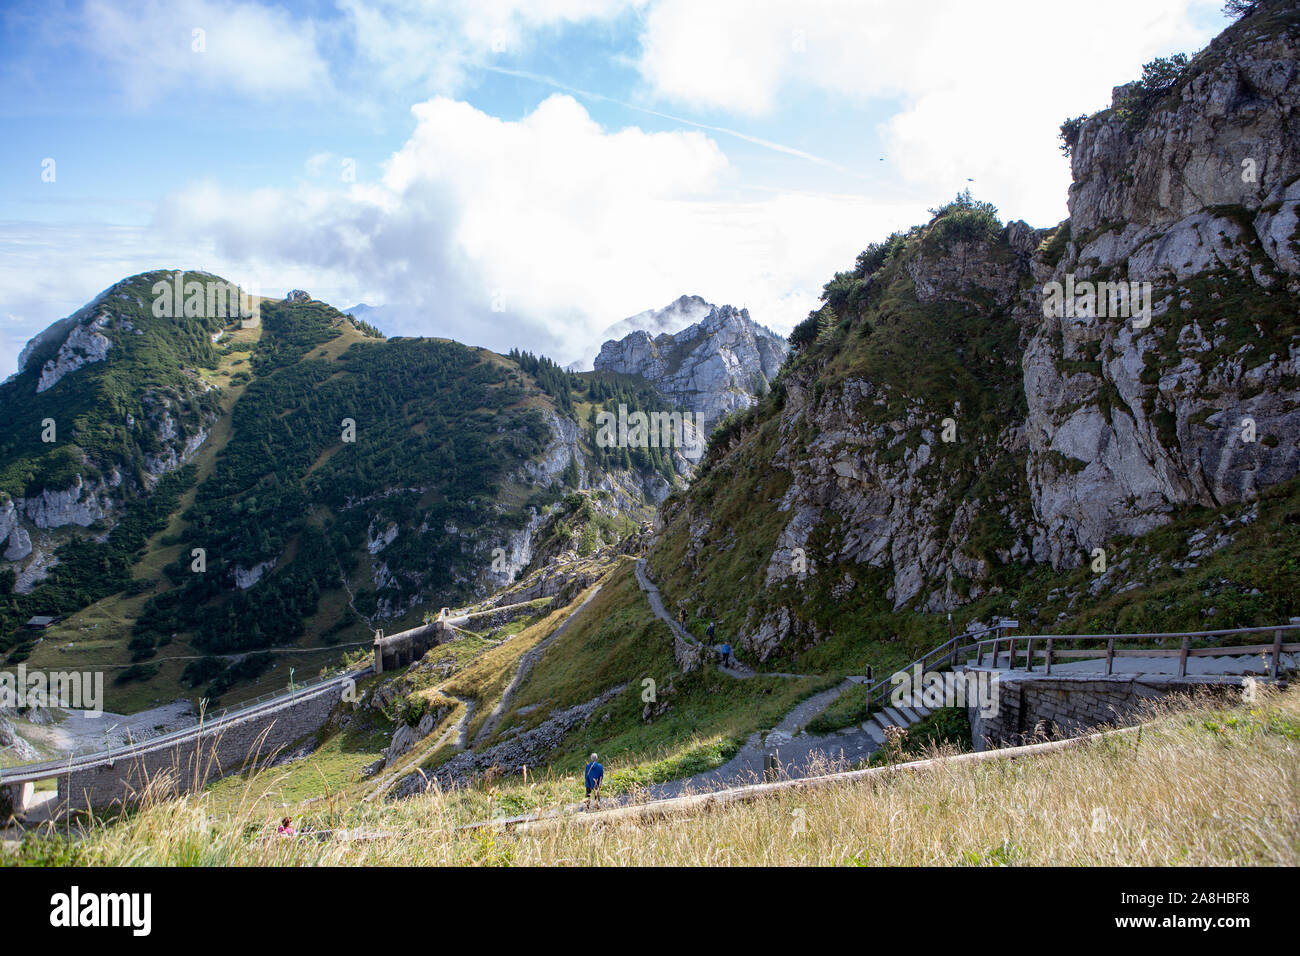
point(527, 173)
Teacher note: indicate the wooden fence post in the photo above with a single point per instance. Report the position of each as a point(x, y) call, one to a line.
point(1277, 653)
point(1049, 657)
point(1182, 657)
point(1110, 655)
point(1029, 654)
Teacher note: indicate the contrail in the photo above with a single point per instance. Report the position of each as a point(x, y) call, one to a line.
point(757, 141)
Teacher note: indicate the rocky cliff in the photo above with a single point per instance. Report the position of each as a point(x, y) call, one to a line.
point(105, 402)
point(676, 315)
point(714, 366)
point(977, 399)
point(1202, 405)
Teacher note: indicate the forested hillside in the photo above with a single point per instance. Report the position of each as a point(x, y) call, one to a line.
point(311, 481)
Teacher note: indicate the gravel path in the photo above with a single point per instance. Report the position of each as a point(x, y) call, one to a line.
point(526, 664)
point(738, 670)
point(798, 752)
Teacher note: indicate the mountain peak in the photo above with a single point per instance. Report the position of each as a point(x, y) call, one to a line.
point(676, 315)
point(720, 362)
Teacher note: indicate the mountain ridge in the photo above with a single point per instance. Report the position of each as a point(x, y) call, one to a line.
point(718, 364)
point(939, 433)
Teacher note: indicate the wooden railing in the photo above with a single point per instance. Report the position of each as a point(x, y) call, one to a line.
point(1044, 647)
point(1048, 649)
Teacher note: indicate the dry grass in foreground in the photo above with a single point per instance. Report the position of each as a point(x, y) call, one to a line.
point(1201, 786)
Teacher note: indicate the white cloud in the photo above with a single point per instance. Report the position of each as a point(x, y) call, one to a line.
point(983, 87)
point(155, 46)
point(539, 232)
point(568, 226)
point(433, 45)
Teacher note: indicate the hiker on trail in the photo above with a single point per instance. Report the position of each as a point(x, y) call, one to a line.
point(710, 633)
point(285, 829)
point(681, 617)
point(727, 659)
point(592, 776)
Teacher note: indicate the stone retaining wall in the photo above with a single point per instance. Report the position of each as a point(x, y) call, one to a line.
point(1040, 707)
point(14, 798)
point(196, 761)
point(500, 617)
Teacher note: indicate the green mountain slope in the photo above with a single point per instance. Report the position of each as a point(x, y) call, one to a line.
point(305, 482)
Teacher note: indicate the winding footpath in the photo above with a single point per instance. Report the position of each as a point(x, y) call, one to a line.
point(460, 728)
point(739, 671)
point(798, 753)
point(526, 664)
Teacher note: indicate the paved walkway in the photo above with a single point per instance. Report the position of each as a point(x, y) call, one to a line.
point(1259, 665)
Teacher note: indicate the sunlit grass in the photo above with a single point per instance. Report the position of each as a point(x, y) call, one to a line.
point(1202, 786)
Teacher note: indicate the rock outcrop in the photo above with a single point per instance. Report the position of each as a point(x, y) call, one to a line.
point(85, 344)
point(1201, 406)
point(715, 366)
point(675, 316)
point(1036, 429)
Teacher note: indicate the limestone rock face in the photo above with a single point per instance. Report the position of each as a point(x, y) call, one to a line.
point(1239, 105)
point(1128, 421)
point(245, 578)
point(879, 480)
point(20, 545)
point(677, 315)
point(1114, 413)
point(714, 366)
point(8, 520)
point(80, 504)
point(548, 467)
point(85, 344)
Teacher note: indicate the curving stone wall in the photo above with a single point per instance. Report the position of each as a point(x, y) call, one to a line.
point(1037, 706)
point(227, 746)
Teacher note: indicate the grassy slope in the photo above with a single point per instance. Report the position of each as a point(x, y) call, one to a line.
point(1204, 787)
point(96, 637)
point(616, 640)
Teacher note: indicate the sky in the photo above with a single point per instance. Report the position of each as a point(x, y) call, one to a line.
point(528, 172)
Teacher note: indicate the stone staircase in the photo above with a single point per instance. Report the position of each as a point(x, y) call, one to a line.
point(903, 717)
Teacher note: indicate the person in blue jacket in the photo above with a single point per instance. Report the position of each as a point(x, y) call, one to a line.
point(592, 776)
